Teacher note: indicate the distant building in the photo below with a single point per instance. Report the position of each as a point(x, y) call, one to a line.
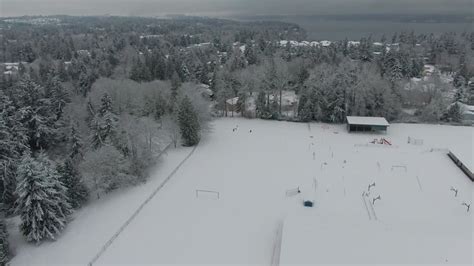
point(428, 70)
point(231, 105)
point(325, 43)
point(84, 53)
point(366, 124)
point(10, 68)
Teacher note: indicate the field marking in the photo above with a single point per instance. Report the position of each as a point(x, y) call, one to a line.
point(365, 204)
point(277, 244)
point(369, 207)
point(373, 210)
point(138, 210)
point(419, 183)
point(344, 185)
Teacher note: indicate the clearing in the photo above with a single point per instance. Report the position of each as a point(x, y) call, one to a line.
point(253, 215)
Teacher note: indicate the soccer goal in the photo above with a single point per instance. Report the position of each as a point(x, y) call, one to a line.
point(292, 191)
point(399, 167)
point(207, 194)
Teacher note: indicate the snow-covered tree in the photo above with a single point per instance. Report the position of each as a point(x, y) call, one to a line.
point(305, 108)
point(175, 84)
point(4, 246)
point(58, 97)
point(76, 143)
point(454, 113)
point(77, 192)
point(170, 125)
point(104, 170)
point(36, 114)
point(13, 141)
point(459, 96)
point(262, 108)
point(42, 201)
point(188, 123)
point(104, 124)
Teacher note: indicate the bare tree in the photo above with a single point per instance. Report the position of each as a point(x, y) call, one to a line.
point(171, 127)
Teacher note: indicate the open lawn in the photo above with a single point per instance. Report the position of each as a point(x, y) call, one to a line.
point(253, 217)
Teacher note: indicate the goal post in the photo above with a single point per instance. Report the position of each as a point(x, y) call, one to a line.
point(207, 193)
point(292, 192)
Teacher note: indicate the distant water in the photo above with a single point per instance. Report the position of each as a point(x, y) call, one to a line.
point(339, 28)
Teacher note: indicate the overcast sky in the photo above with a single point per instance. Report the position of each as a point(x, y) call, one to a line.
point(231, 7)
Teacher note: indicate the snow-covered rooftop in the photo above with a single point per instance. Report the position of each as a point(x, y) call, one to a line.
point(233, 101)
point(367, 120)
point(353, 43)
point(325, 43)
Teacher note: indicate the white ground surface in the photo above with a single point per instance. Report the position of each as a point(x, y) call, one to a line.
point(419, 221)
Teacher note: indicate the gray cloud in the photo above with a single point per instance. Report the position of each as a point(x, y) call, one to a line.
point(230, 7)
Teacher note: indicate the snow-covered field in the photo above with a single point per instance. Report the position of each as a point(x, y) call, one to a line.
point(251, 220)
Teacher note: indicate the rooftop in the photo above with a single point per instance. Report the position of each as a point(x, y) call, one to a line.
point(367, 120)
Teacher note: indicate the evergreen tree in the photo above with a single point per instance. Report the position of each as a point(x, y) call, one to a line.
point(62, 72)
point(140, 72)
point(241, 102)
point(77, 192)
point(42, 201)
point(263, 111)
point(175, 84)
point(58, 97)
point(305, 109)
point(188, 123)
point(104, 124)
point(13, 141)
point(251, 54)
point(459, 81)
point(393, 68)
point(76, 144)
point(4, 247)
point(454, 113)
point(36, 114)
point(459, 95)
point(85, 83)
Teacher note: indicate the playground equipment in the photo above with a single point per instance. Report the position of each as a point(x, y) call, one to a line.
point(381, 141)
point(468, 206)
point(455, 190)
point(370, 186)
point(375, 199)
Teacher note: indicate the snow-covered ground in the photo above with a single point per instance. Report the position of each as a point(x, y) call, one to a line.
point(251, 220)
